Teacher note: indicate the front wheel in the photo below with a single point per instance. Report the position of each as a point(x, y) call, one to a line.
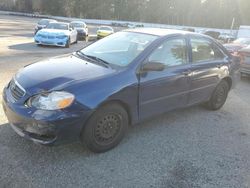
point(219, 96)
point(106, 128)
point(67, 43)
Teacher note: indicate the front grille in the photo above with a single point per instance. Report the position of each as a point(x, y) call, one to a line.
point(16, 90)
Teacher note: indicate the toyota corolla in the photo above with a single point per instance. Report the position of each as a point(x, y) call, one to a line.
point(95, 93)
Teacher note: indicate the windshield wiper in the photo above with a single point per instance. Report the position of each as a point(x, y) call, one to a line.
point(96, 59)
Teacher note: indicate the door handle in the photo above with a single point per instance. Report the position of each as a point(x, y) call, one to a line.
point(187, 73)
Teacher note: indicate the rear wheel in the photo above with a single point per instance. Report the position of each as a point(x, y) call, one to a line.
point(219, 96)
point(106, 128)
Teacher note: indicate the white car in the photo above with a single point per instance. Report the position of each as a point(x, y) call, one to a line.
point(43, 23)
point(57, 34)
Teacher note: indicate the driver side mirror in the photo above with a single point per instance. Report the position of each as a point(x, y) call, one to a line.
point(153, 66)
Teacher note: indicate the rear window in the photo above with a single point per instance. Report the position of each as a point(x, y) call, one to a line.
point(204, 50)
point(78, 24)
point(43, 22)
point(60, 26)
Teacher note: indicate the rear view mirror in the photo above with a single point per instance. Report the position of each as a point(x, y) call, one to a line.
point(153, 66)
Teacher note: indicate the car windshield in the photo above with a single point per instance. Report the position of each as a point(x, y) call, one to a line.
point(43, 22)
point(77, 24)
point(120, 48)
point(106, 28)
point(242, 41)
point(60, 26)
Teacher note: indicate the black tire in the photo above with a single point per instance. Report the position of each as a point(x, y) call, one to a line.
point(106, 128)
point(219, 96)
point(68, 43)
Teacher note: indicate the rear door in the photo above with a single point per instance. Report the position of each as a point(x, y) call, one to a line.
point(208, 64)
point(161, 91)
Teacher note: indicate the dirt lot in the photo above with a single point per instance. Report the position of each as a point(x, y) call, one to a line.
point(186, 148)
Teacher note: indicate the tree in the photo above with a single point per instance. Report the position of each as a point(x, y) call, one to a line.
point(203, 13)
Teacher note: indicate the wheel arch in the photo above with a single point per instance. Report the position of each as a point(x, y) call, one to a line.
point(124, 105)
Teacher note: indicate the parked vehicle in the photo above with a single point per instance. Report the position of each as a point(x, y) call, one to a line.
point(188, 29)
point(244, 53)
point(226, 37)
point(236, 45)
point(57, 34)
point(104, 31)
point(244, 32)
point(213, 34)
point(82, 29)
point(43, 23)
point(95, 93)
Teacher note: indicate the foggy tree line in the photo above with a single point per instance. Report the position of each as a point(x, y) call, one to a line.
point(203, 13)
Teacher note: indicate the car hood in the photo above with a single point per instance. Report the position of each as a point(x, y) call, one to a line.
point(80, 29)
point(104, 31)
point(58, 73)
point(53, 32)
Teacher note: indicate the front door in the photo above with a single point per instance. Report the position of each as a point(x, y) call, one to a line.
point(161, 91)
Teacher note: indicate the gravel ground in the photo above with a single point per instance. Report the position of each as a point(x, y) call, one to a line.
point(186, 148)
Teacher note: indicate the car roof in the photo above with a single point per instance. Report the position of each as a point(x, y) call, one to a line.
point(160, 31)
point(61, 23)
point(48, 19)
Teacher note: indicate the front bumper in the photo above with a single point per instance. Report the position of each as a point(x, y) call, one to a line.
point(44, 127)
point(102, 35)
point(51, 42)
point(81, 35)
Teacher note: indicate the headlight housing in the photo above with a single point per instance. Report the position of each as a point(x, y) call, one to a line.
point(52, 101)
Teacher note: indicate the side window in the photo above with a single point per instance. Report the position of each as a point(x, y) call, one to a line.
point(204, 50)
point(172, 52)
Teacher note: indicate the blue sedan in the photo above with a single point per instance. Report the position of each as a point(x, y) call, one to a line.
point(95, 93)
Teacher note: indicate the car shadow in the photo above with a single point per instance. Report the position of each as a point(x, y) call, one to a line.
point(31, 47)
point(165, 125)
point(10, 139)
